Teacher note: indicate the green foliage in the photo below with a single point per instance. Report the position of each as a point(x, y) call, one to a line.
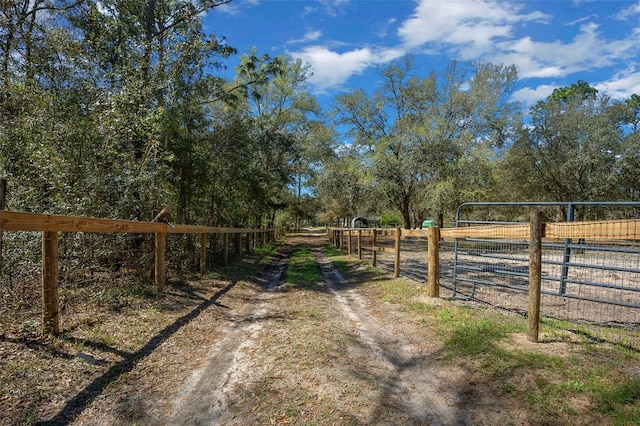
point(575, 150)
point(429, 140)
point(391, 219)
point(342, 186)
point(579, 90)
point(116, 113)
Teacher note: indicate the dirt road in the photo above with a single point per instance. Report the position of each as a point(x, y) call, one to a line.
point(329, 354)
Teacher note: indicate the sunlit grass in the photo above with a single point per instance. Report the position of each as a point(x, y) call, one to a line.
point(302, 271)
point(591, 382)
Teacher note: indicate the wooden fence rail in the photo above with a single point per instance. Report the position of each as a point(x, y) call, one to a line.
point(534, 232)
point(51, 225)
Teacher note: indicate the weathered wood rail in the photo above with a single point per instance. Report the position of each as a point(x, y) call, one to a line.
point(534, 232)
point(51, 225)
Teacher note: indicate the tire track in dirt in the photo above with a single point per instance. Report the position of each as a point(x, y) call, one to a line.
point(408, 386)
point(207, 392)
point(411, 382)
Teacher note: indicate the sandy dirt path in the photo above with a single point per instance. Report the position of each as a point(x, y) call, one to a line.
point(411, 379)
point(326, 354)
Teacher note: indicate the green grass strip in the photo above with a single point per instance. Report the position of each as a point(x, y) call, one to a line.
point(302, 271)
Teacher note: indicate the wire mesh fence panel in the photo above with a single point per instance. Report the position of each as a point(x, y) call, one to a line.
point(598, 282)
point(413, 256)
point(597, 289)
point(102, 273)
point(591, 280)
point(182, 255)
point(95, 269)
point(76, 267)
point(20, 283)
point(494, 270)
point(386, 242)
point(446, 256)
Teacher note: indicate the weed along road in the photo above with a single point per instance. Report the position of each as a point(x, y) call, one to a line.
point(300, 344)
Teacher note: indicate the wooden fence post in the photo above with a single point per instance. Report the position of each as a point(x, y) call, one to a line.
point(203, 253)
point(396, 266)
point(433, 264)
point(349, 242)
point(535, 276)
point(225, 249)
point(247, 242)
point(374, 251)
point(50, 300)
point(359, 243)
point(161, 243)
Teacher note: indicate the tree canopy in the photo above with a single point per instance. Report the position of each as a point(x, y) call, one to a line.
point(119, 107)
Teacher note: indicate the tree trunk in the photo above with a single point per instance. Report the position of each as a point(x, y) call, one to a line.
point(406, 214)
point(146, 59)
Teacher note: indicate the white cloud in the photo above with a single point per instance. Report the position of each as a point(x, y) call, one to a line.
point(482, 30)
point(332, 69)
point(462, 22)
point(623, 85)
point(331, 6)
point(311, 35)
point(581, 20)
point(586, 51)
point(529, 96)
point(630, 12)
point(234, 8)
point(384, 28)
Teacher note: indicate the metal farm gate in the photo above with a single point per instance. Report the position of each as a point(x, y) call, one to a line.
point(591, 281)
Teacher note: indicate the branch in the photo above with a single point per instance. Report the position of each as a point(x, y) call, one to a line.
point(206, 6)
point(163, 216)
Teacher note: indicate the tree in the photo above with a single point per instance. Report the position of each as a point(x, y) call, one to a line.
point(421, 134)
point(109, 110)
point(629, 160)
point(569, 152)
point(280, 110)
point(343, 186)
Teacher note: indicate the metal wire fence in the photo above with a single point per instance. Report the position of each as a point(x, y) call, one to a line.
point(20, 281)
point(590, 284)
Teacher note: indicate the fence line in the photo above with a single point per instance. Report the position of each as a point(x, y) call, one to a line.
point(50, 226)
point(526, 269)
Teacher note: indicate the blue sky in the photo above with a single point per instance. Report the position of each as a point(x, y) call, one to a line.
point(554, 43)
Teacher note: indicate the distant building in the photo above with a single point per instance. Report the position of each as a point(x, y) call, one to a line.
point(359, 222)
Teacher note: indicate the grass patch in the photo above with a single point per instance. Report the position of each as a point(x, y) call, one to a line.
point(586, 383)
point(356, 271)
point(341, 261)
point(302, 271)
point(266, 253)
point(477, 336)
point(332, 251)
